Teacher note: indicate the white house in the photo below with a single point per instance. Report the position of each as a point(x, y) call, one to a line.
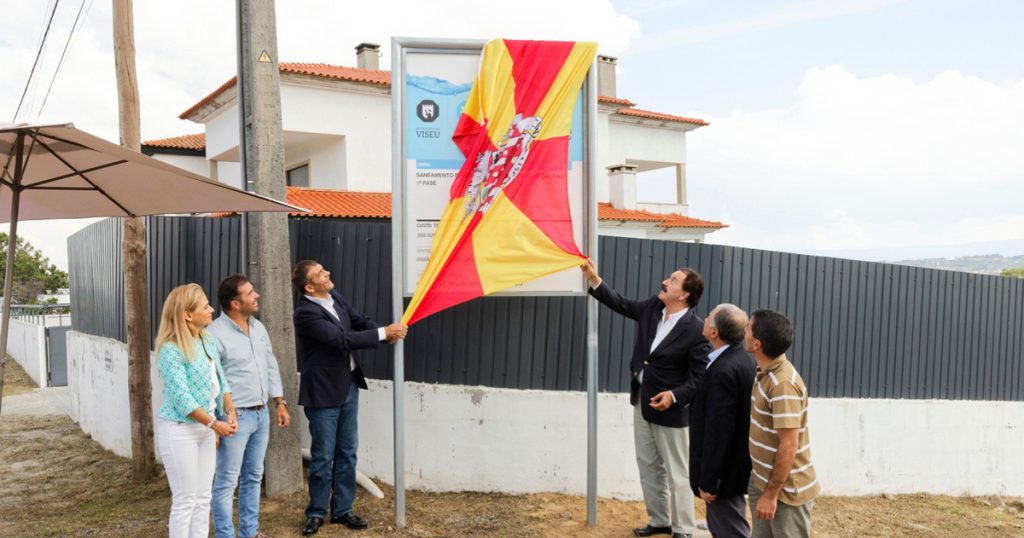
point(337, 137)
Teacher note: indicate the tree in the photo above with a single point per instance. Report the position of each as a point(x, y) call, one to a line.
point(1014, 272)
point(33, 272)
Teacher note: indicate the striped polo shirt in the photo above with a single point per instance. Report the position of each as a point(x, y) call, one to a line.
point(779, 401)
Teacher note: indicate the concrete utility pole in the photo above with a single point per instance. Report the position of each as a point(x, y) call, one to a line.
point(268, 254)
point(133, 247)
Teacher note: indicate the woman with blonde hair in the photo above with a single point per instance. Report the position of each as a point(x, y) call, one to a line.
point(194, 387)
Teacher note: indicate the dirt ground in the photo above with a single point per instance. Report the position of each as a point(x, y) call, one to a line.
point(54, 481)
point(16, 381)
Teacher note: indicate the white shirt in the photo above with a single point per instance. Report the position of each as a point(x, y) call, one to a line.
point(715, 354)
point(665, 326)
point(214, 386)
point(328, 305)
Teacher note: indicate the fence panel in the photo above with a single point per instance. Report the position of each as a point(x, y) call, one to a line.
point(863, 330)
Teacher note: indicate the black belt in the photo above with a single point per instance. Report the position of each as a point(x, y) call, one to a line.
point(253, 408)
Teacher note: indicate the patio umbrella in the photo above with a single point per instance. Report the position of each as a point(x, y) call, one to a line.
point(59, 172)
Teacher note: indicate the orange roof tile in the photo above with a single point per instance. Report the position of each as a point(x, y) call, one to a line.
point(340, 204)
point(195, 142)
point(605, 211)
point(647, 114)
point(377, 205)
point(614, 100)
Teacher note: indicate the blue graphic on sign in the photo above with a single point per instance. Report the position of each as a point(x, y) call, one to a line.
point(433, 108)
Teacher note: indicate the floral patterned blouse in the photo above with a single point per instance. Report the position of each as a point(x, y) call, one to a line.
point(188, 384)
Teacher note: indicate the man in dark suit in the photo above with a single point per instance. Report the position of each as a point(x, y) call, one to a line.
point(327, 330)
point(669, 356)
point(720, 424)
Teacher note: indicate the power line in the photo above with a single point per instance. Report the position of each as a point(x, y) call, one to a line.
point(71, 34)
point(36, 62)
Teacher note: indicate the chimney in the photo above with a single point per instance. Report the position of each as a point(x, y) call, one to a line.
point(622, 186)
point(606, 75)
point(368, 56)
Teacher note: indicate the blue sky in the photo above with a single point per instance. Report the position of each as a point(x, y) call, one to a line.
point(879, 129)
point(718, 56)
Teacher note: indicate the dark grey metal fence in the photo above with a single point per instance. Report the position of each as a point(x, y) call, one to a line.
point(864, 330)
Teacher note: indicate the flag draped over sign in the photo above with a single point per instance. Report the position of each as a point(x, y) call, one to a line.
point(508, 219)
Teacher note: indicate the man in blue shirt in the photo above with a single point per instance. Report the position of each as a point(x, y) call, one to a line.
point(251, 368)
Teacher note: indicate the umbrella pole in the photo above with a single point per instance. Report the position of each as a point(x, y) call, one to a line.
point(12, 244)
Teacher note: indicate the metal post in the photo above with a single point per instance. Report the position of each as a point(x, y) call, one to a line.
point(592, 307)
point(397, 284)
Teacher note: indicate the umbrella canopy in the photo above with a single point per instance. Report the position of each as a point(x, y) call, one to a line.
point(59, 172)
point(62, 172)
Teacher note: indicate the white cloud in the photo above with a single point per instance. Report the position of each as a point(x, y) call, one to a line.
point(866, 162)
point(186, 50)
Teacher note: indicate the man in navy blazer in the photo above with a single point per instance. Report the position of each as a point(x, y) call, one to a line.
point(669, 356)
point(720, 424)
point(327, 330)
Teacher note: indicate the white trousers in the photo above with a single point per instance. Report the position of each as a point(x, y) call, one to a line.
point(189, 452)
point(662, 456)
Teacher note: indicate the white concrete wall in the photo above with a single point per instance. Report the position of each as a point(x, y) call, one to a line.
point(193, 163)
point(466, 438)
point(629, 141)
point(325, 156)
point(222, 133)
point(98, 390)
point(363, 119)
point(26, 342)
point(485, 439)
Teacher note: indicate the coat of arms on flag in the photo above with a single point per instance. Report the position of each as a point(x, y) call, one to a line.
point(508, 219)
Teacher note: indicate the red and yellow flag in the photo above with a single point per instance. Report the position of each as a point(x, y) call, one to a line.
point(508, 220)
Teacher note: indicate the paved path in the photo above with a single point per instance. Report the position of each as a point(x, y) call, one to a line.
point(39, 402)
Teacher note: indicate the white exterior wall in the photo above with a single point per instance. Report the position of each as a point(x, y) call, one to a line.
point(26, 343)
point(643, 143)
point(230, 173)
point(605, 159)
point(357, 124)
point(98, 390)
point(222, 133)
point(363, 119)
point(465, 438)
point(193, 163)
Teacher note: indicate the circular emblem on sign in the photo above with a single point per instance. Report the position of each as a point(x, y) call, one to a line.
point(427, 110)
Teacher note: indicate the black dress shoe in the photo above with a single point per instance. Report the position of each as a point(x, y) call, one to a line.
point(312, 526)
point(651, 531)
point(350, 520)
point(681, 535)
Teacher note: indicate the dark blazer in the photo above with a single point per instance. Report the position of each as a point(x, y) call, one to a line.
point(676, 364)
point(324, 344)
point(720, 424)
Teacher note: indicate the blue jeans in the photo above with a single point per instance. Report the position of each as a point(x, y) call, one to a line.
point(332, 467)
point(240, 462)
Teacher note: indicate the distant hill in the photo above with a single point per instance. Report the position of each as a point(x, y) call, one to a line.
point(989, 264)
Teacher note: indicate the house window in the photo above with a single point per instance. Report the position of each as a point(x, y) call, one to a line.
point(298, 176)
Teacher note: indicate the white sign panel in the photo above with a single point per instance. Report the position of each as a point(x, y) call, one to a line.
point(435, 84)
